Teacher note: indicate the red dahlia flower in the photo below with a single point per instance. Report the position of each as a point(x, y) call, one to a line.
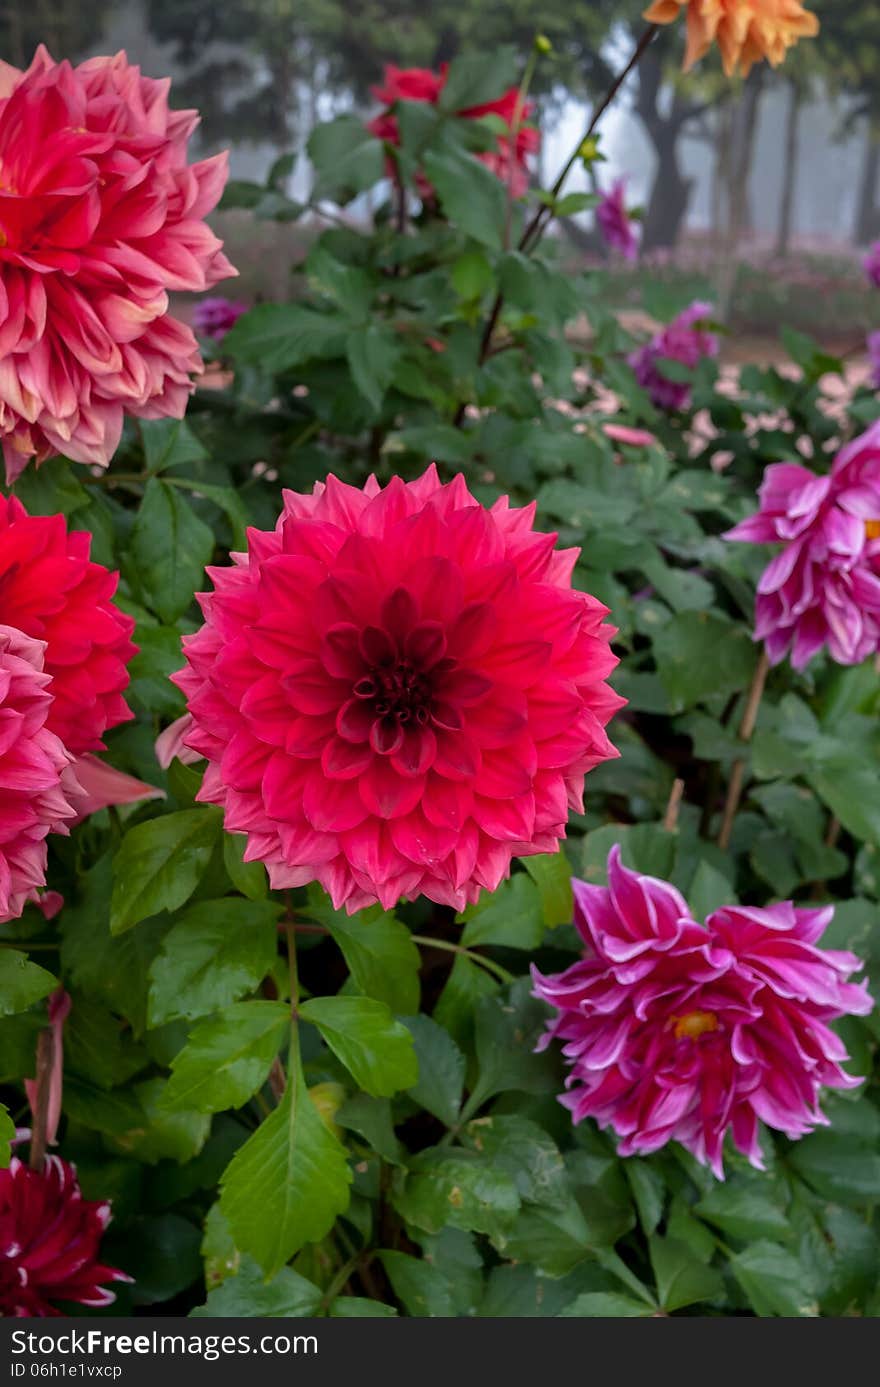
point(679, 1032)
point(508, 159)
point(51, 590)
point(50, 1239)
point(32, 761)
point(100, 216)
point(398, 691)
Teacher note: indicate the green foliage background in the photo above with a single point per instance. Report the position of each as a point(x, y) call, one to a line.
point(416, 1161)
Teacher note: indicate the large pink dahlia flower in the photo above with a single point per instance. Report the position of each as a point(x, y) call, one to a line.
point(50, 1242)
point(100, 216)
point(51, 590)
point(33, 803)
point(823, 587)
point(676, 1031)
point(398, 691)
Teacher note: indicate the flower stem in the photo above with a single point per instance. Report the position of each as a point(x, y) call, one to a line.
point(670, 818)
point(40, 1123)
point(746, 728)
point(491, 967)
point(535, 229)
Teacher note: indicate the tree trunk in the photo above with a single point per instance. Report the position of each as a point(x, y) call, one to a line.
point(670, 191)
point(739, 168)
point(790, 168)
point(867, 212)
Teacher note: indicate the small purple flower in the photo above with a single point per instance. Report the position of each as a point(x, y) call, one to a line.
point(823, 587)
point(684, 340)
point(874, 354)
point(871, 263)
point(214, 317)
point(615, 222)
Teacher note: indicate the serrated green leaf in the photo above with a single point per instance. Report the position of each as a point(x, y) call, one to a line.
point(379, 951)
point(247, 877)
point(773, 1281)
point(248, 1294)
point(214, 953)
point(227, 1058)
point(682, 1279)
point(21, 982)
point(441, 1069)
point(377, 1051)
point(168, 549)
point(288, 1183)
point(512, 916)
point(160, 864)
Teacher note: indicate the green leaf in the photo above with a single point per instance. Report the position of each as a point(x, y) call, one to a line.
point(221, 1256)
point(216, 951)
point(457, 1190)
point(162, 1255)
point(163, 1135)
point(551, 873)
point(466, 984)
point(379, 951)
point(511, 916)
point(606, 1305)
point(422, 1289)
point(115, 1113)
point(288, 1183)
point(839, 1166)
point(351, 1307)
point(51, 488)
point(377, 1051)
point(159, 656)
point(773, 1281)
point(682, 1279)
point(471, 275)
point(169, 443)
point(747, 1208)
point(21, 982)
point(709, 891)
point(228, 1058)
point(441, 1069)
point(7, 1135)
point(248, 1294)
point(649, 1192)
point(160, 864)
point(699, 654)
point(247, 877)
point(520, 1147)
point(507, 1031)
point(373, 353)
point(473, 79)
point(168, 549)
point(347, 158)
point(554, 1240)
point(97, 1045)
point(279, 336)
point(371, 1119)
point(471, 196)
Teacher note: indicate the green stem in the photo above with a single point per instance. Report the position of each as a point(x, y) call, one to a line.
point(344, 1274)
point(293, 1060)
point(490, 966)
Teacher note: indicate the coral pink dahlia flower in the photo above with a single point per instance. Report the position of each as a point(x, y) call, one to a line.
point(398, 691)
point(50, 1241)
point(823, 587)
point(679, 1032)
point(51, 590)
point(100, 216)
point(33, 803)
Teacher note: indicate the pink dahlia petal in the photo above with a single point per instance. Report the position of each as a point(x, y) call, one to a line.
point(33, 801)
point(822, 589)
point(373, 716)
point(50, 1242)
point(615, 222)
point(678, 1032)
point(50, 590)
point(100, 215)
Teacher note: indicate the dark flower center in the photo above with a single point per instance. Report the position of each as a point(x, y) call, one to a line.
point(400, 691)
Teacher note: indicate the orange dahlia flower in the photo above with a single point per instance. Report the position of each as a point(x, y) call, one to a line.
point(745, 30)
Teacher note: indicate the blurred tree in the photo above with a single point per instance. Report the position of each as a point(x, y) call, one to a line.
point(848, 56)
point(66, 29)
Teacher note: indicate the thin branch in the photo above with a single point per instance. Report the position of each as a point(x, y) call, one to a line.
point(746, 728)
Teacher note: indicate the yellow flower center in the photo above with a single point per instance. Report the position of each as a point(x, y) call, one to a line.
point(872, 529)
point(694, 1024)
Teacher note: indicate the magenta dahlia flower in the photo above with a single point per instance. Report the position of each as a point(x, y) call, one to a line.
point(823, 587)
point(398, 691)
point(214, 317)
point(685, 340)
point(33, 802)
point(615, 222)
point(100, 217)
point(872, 264)
point(50, 1242)
point(676, 1031)
point(51, 590)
